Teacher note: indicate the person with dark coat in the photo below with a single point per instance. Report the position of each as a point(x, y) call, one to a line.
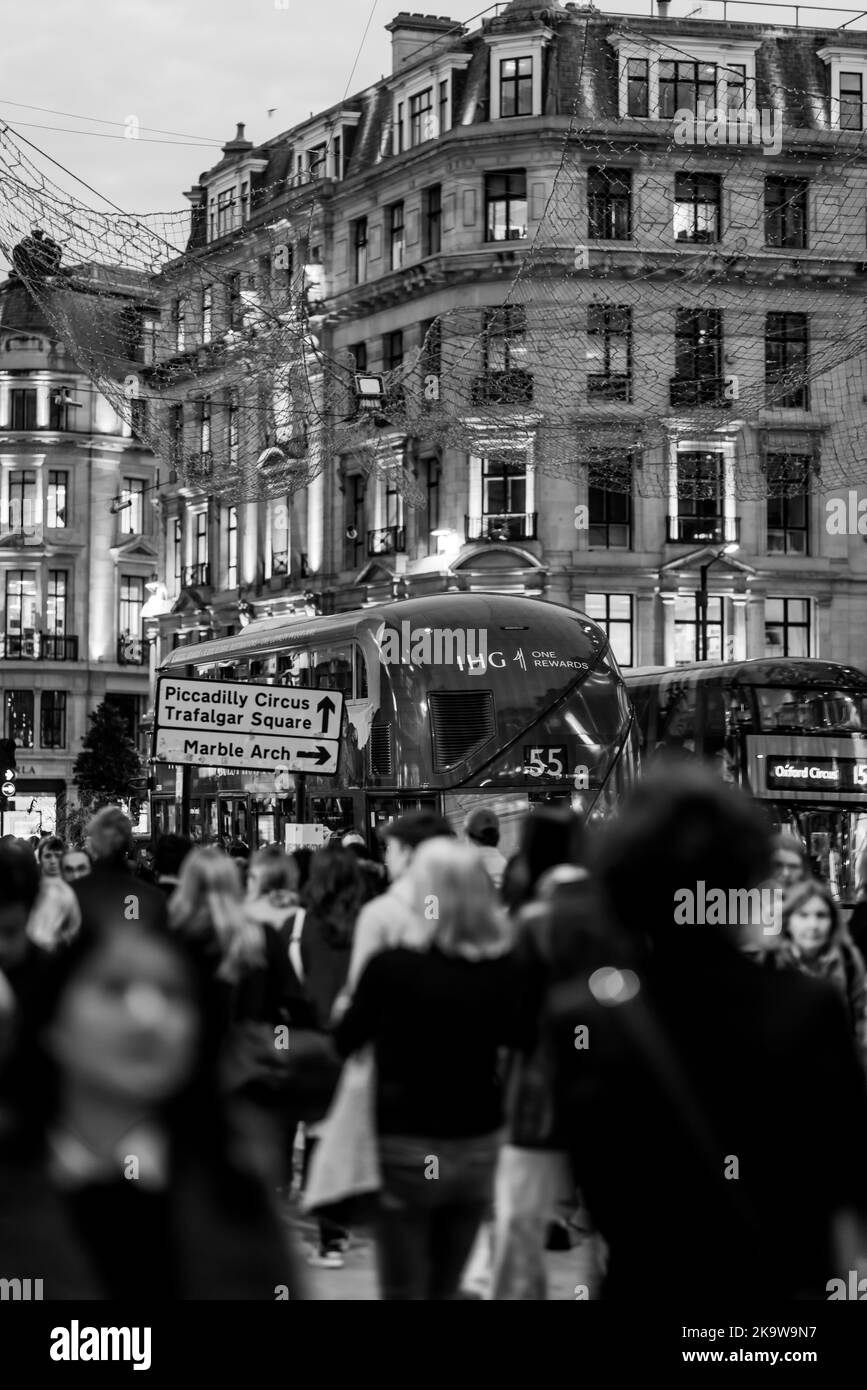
point(120, 1172)
point(169, 854)
point(688, 1079)
point(22, 961)
point(112, 892)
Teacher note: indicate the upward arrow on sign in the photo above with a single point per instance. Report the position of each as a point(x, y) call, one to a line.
point(326, 708)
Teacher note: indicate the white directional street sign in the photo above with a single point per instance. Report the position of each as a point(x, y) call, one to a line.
point(278, 728)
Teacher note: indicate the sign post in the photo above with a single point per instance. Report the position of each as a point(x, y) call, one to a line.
point(230, 724)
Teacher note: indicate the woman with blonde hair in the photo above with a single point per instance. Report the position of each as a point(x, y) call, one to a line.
point(207, 909)
point(437, 1017)
point(815, 942)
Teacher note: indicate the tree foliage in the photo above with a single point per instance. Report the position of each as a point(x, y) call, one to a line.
point(109, 761)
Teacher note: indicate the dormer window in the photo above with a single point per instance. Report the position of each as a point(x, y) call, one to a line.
point(637, 87)
point(422, 108)
point(421, 124)
point(683, 85)
point(657, 82)
point(225, 211)
point(515, 77)
point(516, 87)
point(848, 74)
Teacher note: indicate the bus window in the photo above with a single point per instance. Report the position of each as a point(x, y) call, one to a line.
point(715, 721)
point(294, 669)
point(810, 710)
point(360, 675)
point(677, 714)
point(332, 670)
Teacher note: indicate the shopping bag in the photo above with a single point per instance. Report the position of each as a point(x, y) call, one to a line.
point(344, 1178)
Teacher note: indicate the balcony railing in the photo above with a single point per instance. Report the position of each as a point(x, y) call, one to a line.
point(389, 540)
point(131, 651)
point(196, 576)
point(703, 530)
point(503, 388)
point(697, 391)
point(616, 387)
point(38, 646)
point(501, 526)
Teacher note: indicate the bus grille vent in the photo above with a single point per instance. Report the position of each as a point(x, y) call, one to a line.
point(461, 722)
point(380, 759)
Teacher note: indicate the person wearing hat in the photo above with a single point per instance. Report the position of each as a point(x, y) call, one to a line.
point(482, 830)
point(112, 890)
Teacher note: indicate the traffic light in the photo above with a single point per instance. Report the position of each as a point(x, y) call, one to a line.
point(8, 769)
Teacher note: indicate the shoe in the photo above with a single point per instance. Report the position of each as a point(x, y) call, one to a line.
point(326, 1259)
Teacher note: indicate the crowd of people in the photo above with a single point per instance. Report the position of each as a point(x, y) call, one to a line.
point(521, 1049)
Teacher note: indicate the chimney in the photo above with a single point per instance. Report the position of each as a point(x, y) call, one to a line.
point(419, 36)
point(662, 8)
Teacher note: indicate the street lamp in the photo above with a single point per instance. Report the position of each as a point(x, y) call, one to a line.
point(702, 597)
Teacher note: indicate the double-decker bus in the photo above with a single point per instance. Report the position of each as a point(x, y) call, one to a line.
point(452, 701)
point(792, 732)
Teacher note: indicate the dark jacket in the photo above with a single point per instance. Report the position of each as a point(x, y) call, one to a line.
point(326, 964)
point(723, 1177)
point(196, 1241)
point(112, 892)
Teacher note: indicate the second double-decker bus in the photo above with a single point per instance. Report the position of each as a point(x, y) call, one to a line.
point(452, 701)
point(792, 732)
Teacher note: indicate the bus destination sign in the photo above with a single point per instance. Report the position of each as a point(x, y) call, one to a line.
point(273, 728)
point(815, 774)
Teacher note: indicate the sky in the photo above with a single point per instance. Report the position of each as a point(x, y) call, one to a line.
point(198, 67)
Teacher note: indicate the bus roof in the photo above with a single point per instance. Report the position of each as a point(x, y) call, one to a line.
point(492, 611)
point(759, 671)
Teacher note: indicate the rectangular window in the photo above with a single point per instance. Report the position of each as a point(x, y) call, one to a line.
point(698, 345)
point(516, 87)
point(444, 106)
point(245, 201)
point(851, 101)
point(392, 351)
point(396, 236)
point(421, 127)
point(201, 538)
point(19, 717)
point(359, 251)
point(22, 409)
point(787, 627)
point(225, 212)
point(176, 435)
point(22, 498)
point(609, 352)
point(504, 489)
point(683, 85)
point(432, 470)
point(138, 418)
point(234, 305)
point(786, 212)
point(399, 130)
point(337, 154)
point(359, 353)
point(232, 425)
point(205, 425)
point(177, 534)
point(697, 202)
point(353, 512)
point(505, 379)
point(52, 719)
point(701, 492)
point(56, 515)
point(788, 505)
point(55, 602)
point(506, 206)
point(20, 610)
point(609, 498)
point(179, 315)
point(609, 204)
point(687, 629)
point(132, 507)
point(231, 547)
point(61, 411)
point(131, 605)
point(636, 87)
point(735, 75)
point(431, 362)
point(613, 613)
point(786, 361)
point(432, 221)
point(207, 313)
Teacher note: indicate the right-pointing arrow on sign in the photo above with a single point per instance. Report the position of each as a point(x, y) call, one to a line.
point(326, 708)
point(321, 755)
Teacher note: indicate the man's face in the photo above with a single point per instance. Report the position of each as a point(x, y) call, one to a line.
point(13, 935)
point(75, 864)
point(787, 868)
point(49, 862)
point(397, 857)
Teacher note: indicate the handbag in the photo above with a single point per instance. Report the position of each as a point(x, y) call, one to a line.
point(345, 1178)
point(301, 1078)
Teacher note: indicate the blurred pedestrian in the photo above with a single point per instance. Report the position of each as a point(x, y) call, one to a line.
point(169, 854)
point(394, 917)
point(551, 836)
point(374, 874)
point(437, 1018)
point(789, 861)
point(56, 917)
point(111, 892)
point(686, 1077)
point(815, 941)
point(22, 961)
point(272, 889)
point(75, 863)
point(482, 830)
point(143, 862)
point(857, 924)
point(122, 1168)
